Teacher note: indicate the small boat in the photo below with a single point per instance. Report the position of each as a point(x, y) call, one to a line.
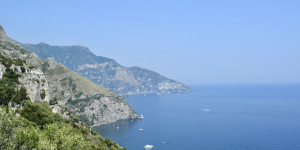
point(141, 129)
point(148, 146)
point(141, 117)
point(206, 109)
point(118, 128)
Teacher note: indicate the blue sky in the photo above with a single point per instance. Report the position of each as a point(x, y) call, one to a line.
point(196, 42)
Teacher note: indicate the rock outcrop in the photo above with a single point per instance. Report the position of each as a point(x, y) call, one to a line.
point(3, 36)
point(87, 99)
point(33, 80)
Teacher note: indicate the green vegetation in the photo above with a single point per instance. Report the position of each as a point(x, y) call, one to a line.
point(7, 62)
point(78, 95)
point(9, 91)
point(43, 94)
point(53, 101)
point(32, 67)
point(69, 82)
point(39, 113)
point(85, 100)
point(35, 126)
point(38, 128)
point(23, 69)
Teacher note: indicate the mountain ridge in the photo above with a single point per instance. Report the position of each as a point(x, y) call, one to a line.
point(108, 72)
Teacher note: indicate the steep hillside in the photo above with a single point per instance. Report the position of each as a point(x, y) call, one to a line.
point(107, 72)
point(33, 124)
point(24, 76)
point(64, 87)
point(88, 99)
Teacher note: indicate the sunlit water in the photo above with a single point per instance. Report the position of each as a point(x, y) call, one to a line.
point(224, 117)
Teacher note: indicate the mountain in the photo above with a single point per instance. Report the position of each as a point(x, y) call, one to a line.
point(107, 72)
point(28, 84)
point(62, 87)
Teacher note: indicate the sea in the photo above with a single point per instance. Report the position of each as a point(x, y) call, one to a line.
point(213, 117)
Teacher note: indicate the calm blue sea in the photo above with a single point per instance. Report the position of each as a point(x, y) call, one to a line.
point(219, 117)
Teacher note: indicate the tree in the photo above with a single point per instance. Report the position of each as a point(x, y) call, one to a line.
point(53, 101)
point(23, 94)
point(43, 94)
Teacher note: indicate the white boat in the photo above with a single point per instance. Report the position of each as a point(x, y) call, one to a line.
point(118, 128)
point(148, 146)
point(206, 109)
point(141, 129)
point(141, 117)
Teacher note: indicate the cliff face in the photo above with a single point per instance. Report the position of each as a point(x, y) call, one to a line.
point(107, 72)
point(33, 80)
point(64, 87)
point(88, 99)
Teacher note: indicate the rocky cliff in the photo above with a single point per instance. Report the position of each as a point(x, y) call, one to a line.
point(33, 80)
point(98, 104)
point(64, 87)
point(107, 72)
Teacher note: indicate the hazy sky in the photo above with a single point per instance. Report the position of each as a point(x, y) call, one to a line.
point(194, 42)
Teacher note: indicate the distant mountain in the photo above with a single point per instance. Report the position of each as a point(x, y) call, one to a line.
point(107, 72)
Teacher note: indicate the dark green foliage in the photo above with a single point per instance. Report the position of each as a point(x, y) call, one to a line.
point(11, 75)
point(23, 93)
point(37, 80)
point(8, 88)
point(69, 82)
point(62, 93)
point(78, 95)
point(20, 96)
point(39, 113)
point(19, 62)
point(43, 94)
point(7, 62)
point(6, 94)
point(109, 142)
point(53, 101)
point(85, 120)
point(32, 67)
point(23, 69)
point(76, 101)
point(74, 87)
point(112, 145)
point(39, 128)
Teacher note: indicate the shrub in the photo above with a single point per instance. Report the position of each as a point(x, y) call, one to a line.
point(39, 113)
point(23, 69)
point(43, 94)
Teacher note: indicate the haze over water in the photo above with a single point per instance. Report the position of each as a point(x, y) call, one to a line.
point(216, 117)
